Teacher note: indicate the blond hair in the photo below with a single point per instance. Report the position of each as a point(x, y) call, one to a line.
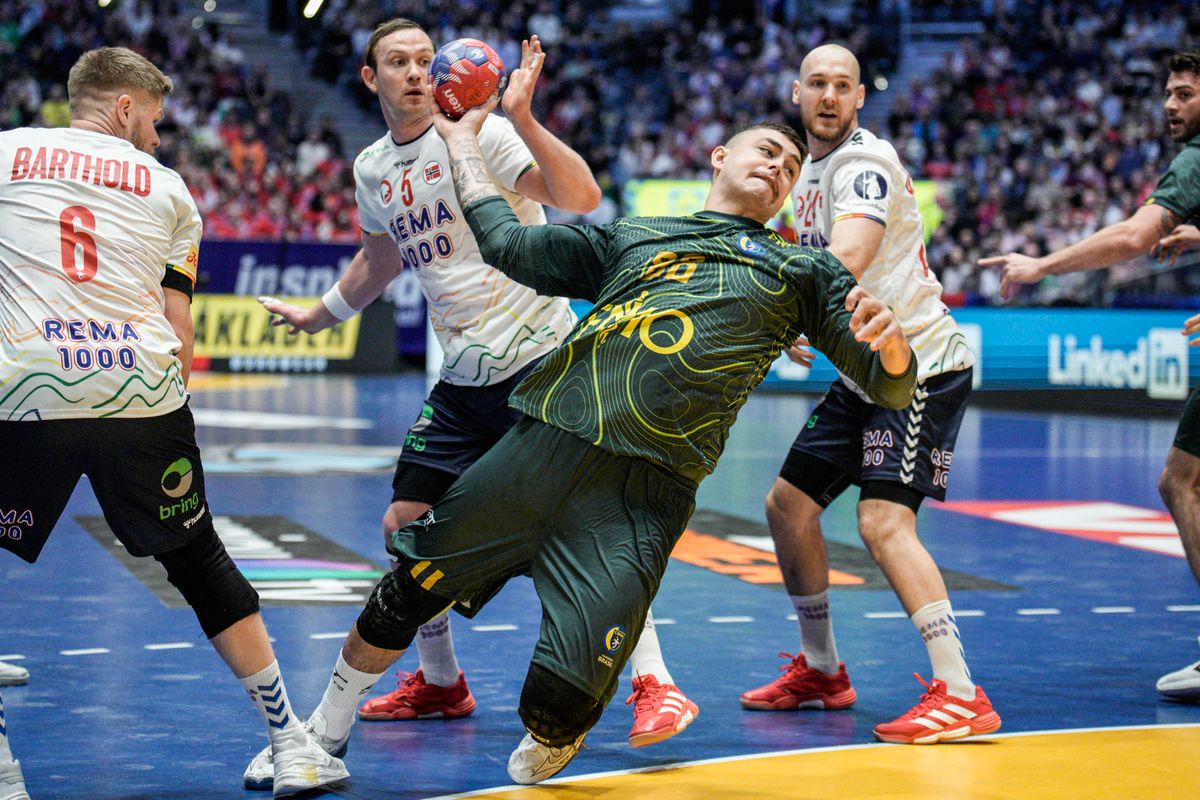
point(113, 69)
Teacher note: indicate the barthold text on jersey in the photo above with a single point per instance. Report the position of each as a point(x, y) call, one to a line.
point(61, 164)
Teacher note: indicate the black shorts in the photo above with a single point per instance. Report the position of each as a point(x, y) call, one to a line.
point(144, 471)
point(456, 426)
point(850, 440)
point(594, 530)
point(1187, 437)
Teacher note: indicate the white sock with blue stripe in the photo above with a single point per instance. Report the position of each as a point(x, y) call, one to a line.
point(5, 753)
point(269, 694)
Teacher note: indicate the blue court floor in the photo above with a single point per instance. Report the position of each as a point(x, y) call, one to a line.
point(1068, 581)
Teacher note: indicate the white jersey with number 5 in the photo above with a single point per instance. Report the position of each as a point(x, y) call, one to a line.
point(89, 225)
point(863, 177)
point(488, 325)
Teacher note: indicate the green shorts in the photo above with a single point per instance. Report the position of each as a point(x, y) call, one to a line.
point(592, 528)
point(1187, 437)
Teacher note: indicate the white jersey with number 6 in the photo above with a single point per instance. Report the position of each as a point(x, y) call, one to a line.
point(489, 326)
point(89, 225)
point(863, 177)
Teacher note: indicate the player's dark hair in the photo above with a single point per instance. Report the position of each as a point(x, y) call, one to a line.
point(779, 127)
point(1187, 61)
point(385, 29)
point(113, 69)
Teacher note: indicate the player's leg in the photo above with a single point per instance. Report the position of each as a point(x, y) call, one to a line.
point(818, 468)
point(1179, 486)
point(910, 454)
point(148, 478)
point(595, 573)
point(12, 782)
point(660, 708)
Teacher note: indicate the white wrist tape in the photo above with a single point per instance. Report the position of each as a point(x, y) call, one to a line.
point(337, 304)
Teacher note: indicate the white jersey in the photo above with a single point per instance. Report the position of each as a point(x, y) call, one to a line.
point(89, 226)
point(863, 177)
point(488, 325)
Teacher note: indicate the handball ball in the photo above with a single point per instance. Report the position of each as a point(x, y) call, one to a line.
point(466, 72)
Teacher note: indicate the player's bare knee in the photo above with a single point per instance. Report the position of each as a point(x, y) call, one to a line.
point(209, 581)
point(554, 711)
point(789, 509)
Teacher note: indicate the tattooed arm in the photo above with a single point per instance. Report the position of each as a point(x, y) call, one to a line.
point(1118, 242)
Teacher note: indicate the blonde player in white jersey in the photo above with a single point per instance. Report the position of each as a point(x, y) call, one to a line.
point(98, 253)
point(856, 199)
point(492, 331)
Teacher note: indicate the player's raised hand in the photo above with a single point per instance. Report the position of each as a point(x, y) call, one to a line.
point(1174, 244)
point(467, 125)
point(1015, 268)
point(309, 320)
point(1190, 328)
point(799, 353)
point(518, 97)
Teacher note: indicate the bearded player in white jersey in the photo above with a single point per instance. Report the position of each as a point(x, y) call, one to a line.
point(855, 198)
point(492, 332)
point(98, 253)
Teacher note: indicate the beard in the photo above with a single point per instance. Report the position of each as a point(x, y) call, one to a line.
point(826, 135)
point(1188, 131)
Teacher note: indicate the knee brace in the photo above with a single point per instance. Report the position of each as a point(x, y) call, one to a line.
point(555, 712)
point(209, 581)
point(396, 608)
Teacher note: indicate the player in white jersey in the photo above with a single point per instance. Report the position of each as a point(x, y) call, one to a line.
point(855, 198)
point(492, 330)
point(98, 252)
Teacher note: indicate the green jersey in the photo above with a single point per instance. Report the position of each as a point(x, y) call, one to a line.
point(689, 314)
point(1178, 190)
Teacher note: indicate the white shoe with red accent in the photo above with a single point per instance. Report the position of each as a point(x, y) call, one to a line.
point(660, 711)
point(941, 717)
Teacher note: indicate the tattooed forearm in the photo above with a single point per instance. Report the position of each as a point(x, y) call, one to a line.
point(1167, 221)
point(471, 178)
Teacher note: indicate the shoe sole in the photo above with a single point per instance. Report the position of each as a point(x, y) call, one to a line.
point(326, 783)
point(268, 784)
point(1190, 695)
point(14, 681)
point(828, 702)
point(980, 726)
point(654, 737)
point(462, 709)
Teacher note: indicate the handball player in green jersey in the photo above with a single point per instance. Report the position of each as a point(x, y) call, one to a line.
point(589, 492)
point(1165, 225)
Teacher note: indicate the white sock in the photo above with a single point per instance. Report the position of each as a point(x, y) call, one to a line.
point(816, 631)
point(270, 697)
point(5, 753)
point(647, 658)
point(435, 646)
point(938, 628)
point(342, 697)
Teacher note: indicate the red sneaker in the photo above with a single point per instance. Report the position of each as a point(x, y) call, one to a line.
point(802, 687)
point(660, 711)
point(416, 699)
point(940, 717)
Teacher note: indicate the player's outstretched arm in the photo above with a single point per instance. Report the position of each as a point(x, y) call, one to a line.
point(368, 274)
point(1175, 244)
point(1110, 245)
point(561, 178)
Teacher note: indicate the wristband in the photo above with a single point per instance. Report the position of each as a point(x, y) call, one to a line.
point(337, 304)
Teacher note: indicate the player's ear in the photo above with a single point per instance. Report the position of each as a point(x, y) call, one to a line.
point(862, 96)
point(368, 77)
point(718, 156)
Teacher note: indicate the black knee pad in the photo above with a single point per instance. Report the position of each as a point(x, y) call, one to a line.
point(396, 608)
point(554, 711)
point(210, 582)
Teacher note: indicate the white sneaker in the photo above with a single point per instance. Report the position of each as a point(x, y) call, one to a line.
point(12, 783)
point(260, 773)
point(300, 767)
point(533, 762)
point(12, 675)
point(1183, 684)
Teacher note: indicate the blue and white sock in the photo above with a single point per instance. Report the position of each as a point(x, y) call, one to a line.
point(269, 694)
point(938, 628)
point(435, 646)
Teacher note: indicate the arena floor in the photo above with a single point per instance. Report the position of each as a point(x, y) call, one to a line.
point(1066, 574)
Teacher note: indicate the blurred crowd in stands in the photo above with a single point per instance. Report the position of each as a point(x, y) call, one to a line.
point(1040, 129)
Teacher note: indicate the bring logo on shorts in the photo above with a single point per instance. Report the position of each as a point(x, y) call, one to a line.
point(175, 483)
